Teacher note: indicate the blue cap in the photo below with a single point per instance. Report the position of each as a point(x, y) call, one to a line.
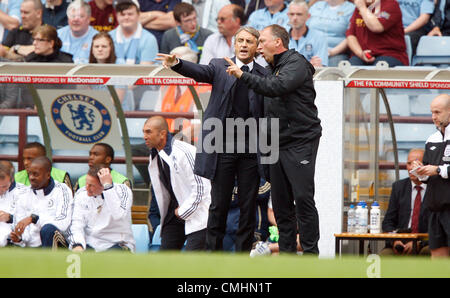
point(351, 206)
point(375, 203)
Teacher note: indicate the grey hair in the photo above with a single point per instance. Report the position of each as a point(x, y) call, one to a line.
point(78, 4)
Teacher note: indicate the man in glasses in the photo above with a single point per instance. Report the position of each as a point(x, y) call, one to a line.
point(77, 36)
point(19, 42)
point(220, 44)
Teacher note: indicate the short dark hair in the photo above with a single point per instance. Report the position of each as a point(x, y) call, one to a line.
point(281, 33)
point(36, 145)
point(108, 149)
point(44, 161)
point(182, 9)
point(126, 5)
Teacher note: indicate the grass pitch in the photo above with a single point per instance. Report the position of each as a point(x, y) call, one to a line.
point(37, 263)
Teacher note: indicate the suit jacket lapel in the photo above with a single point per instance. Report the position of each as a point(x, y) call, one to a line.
point(229, 82)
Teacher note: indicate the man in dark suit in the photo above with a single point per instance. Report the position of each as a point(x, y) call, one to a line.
point(229, 100)
point(406, 212)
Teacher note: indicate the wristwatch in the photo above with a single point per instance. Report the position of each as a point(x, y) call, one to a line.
point(438, 170)
point(34, 218)
point(107, 186)
point(16, 48)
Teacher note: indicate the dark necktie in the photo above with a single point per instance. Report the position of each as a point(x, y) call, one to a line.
point(416, 210)
point(240, 107)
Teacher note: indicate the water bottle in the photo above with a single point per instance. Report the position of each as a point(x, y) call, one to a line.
point(358, 217)
point(351, 219)
point(375, 218)
point(364, 220)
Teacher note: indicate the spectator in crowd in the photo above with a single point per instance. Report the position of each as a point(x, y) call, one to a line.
point(30, 152)
point(376, 34)
point(77, 36)
point(101, 217)
point(9, 19)
point(207, 11)
point(415, 16)
point(221, 44)
point(47, 46)
point(44, 211)
point(229, 100)
point(9, 95)
point(440, 19)
point(102, 154)
point(406, 211)
point(183, 197)
point(9, 192)
point(103, 51)
point(19, 41)
point(55, 13)
point(187, 32)
point(275, 12)
point(133, 44)
point(436, 169)
point(290, 91)
point(103, 15)
point(157, 16)
point(309, 42)
point(332, 17)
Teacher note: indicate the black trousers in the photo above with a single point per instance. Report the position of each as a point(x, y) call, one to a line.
point(173, 237)
point(244, 167)
point(292, 180)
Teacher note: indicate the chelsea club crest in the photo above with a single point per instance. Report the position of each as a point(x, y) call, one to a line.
point(81, 118)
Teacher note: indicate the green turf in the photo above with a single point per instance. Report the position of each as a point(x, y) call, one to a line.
point(39, 263)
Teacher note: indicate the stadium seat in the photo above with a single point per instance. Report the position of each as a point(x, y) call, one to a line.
point(408, 48)
point(156, 241)
point(433, 50)
point(140, 234)
point(420, 105)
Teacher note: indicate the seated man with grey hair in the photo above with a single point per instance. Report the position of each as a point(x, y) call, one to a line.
point(77, 36)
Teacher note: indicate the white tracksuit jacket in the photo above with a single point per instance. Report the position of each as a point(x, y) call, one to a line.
point(8, 203)
point(192, 192)
point(102, 221)
point(53, 205)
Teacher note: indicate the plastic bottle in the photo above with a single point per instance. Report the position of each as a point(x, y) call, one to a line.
point(358, 217)
point(362, 218)
point(364, 224)
point(375, 218)
point(351, 219)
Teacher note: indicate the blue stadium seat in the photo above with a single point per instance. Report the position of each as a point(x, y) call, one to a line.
point(420, 105)
point(156, 241)
point(408, 48)
point(140, 234)
point(433, 50)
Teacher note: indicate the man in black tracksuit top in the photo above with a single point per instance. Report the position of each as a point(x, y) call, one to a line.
point(436, 168)
point(289, 96)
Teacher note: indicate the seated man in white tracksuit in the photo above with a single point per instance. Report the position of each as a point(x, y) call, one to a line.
point(9, 191)
point(44, 210)
point(183, 198)
point(101, 217)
